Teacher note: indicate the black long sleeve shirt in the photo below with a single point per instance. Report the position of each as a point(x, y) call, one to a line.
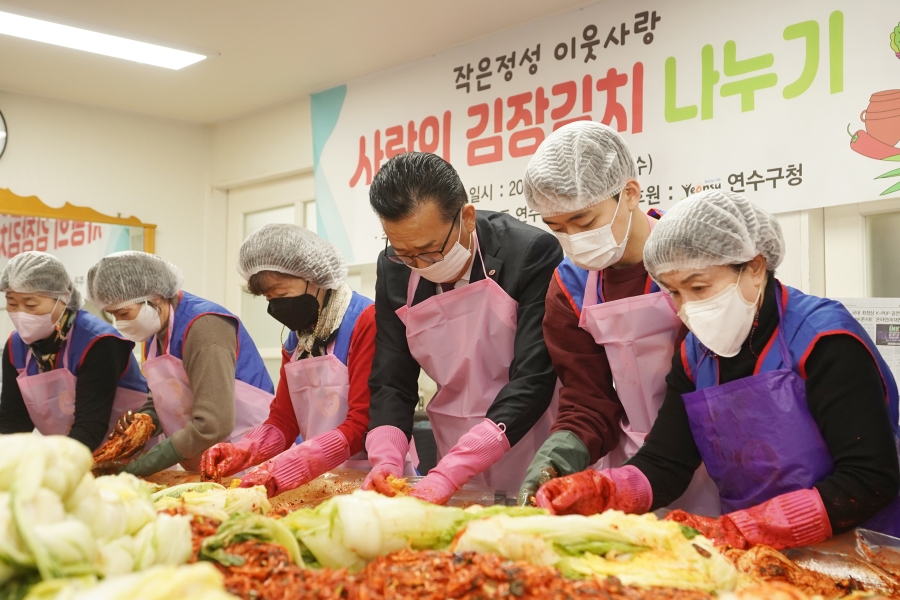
point(521, 259)
point(845, 394)
point(95, 390)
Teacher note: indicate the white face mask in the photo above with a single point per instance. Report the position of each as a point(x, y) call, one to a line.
point(33, 328)
point(453, 263)
point(144, 326)
point(722, 322)
point(596, 249)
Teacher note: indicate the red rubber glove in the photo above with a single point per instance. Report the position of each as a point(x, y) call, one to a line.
point(300, 464)
point(386, 447)
point(478, 449)
point(261, 476)
point(786, 521)
point(223, 460)
point(590, 492)
point(720, 531)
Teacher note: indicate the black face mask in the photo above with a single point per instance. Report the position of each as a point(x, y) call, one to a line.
point(296, 313)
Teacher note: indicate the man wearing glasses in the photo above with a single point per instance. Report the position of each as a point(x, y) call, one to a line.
point(460, 294)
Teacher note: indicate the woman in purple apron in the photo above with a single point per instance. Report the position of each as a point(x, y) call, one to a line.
point(323, 394)
point(782, 395)
point(65, 371)
point(207, 380)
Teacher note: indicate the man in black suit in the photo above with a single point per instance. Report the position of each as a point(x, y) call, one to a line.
point(482, 343)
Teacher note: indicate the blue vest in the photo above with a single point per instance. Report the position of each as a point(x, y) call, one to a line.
point(250, 367)
point(806, 320)
point(342, 342)
point(85, 331)
point(573, 280)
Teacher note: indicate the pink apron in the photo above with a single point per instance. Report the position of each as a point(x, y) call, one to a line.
point(50, 398)
point(639, 335)
point(464, 340)
point(320, 390)
point(173, 397)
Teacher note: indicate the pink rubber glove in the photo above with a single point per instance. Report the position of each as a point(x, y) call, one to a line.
point(477, 450)
point(786, 521)
point(300, 464)
point(387, 448)
point(590, 492)
point(223, 460)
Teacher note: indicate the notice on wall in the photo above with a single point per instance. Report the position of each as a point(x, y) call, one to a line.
point(881, 319)
point(794, 104)
point(78, 244)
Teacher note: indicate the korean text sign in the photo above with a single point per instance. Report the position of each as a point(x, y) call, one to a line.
point(749, 97)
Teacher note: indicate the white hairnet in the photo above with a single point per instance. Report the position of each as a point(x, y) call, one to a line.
point(295, 251)
point(130, 277)
point(42, 274)
point(713, 228)
point(577, 166)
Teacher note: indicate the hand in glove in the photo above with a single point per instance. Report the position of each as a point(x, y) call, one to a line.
point(561, 454)
point(786, 521)
point(590, 492)
point(721, 531)
point(387, 448)
point(477, 450)
point(159, 457)
point(300, 464)
point(223, 460)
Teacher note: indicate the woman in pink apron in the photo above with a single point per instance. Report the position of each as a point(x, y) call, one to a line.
point(459, 294)
point(323, 393)
point(611, 332)
point(65, 371)
point(782, 395)
point(207, 380)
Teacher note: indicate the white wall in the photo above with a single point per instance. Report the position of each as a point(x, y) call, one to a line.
point(804, 262)
point(116, 162)
point(268, 144)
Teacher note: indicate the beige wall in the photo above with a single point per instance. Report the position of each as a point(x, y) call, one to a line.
point(115, 162)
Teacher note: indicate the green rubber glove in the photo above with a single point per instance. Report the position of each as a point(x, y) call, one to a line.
point(162, 456)
point(562, 454)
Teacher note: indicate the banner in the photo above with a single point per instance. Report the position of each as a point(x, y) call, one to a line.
point(78, 244)
point(795, 104)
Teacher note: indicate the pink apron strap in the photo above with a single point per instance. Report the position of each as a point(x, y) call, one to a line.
point(414, 277)
point(329, 350)
point(29, 355)
point(595, 278)
point(170, 327)
point(590, 288)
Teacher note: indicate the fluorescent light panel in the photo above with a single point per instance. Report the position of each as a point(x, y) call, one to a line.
point(98, 43)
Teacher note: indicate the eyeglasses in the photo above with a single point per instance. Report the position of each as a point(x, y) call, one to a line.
point(427, 257)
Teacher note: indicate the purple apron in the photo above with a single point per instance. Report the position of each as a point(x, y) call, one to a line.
point(758, 439)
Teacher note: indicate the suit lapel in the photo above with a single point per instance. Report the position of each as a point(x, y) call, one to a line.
point(489, 245)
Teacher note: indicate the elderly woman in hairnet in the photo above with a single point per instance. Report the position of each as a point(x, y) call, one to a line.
point(65, 372)
point(609, 329)
point(208, 382)
point(782, 395)
point(323, 393)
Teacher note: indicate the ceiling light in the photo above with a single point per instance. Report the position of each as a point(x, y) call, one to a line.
point(98, 43)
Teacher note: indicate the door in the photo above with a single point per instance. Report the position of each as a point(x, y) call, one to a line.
point(287, 200)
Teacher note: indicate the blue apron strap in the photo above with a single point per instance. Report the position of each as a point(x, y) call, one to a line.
point(782, 338)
